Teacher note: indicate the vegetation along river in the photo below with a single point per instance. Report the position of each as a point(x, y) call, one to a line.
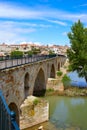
point(66, 113)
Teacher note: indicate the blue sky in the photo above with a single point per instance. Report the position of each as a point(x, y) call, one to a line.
point(40, 21)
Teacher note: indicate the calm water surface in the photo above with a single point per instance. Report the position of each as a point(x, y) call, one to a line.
point(76, 80)
point(66, 113)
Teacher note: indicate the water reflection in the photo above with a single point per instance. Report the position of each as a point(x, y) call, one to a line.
point(66, 113)
point(76, 101)
point(61, 111)
point(76, 80)
point(69, 113)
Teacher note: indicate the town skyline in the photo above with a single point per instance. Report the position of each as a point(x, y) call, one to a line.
point(41, 22)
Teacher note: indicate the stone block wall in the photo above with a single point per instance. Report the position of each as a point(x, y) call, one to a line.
point(33, 114)
point(55, 84)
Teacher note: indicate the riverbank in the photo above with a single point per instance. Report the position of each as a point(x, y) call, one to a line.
point(71, 91)
point(56, 87)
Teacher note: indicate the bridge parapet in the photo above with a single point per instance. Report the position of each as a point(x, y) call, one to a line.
point(13, 62)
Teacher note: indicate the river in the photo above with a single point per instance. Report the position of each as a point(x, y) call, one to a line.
point(76, 80)
point(66, 113)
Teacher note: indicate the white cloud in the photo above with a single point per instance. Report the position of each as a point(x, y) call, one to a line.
point(10, 37)
point(23, 24)
point(14, 12)
point(15, 27)
point(24, 30)
point(57, 22)
point(11, 32)
point(44, 25)
point(10, 11)
point(64, 33)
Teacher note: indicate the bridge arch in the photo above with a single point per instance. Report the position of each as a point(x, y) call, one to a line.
point(26, 84)
point(39, 85)
point(13, 107)
point(52, 73)
point(58, 66)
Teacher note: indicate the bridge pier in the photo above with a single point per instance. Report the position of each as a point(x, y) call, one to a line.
point(34, 111)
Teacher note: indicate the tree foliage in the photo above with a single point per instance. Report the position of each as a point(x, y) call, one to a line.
point(77, 53)
point(36, 51)
point(30, 53)
point(16, 54)
point(51, 52)
point(59, 73)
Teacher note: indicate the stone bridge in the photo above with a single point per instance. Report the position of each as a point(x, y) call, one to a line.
point(21, 81)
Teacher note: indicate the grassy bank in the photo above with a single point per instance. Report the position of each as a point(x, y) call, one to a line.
point(71, 91)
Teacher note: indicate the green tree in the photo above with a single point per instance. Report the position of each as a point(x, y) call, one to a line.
point(16, 54)
point(77, 53)
point(30, 53)
point(51, 52)
point(36, 51)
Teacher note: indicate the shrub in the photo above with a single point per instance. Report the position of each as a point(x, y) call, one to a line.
point(66, 81)
point(59, 73)
point(51, 52)
point(50, 90)
point(36, 101)
point(1, 58)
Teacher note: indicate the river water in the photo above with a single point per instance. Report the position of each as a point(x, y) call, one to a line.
point(76, 80)
point(66, 113)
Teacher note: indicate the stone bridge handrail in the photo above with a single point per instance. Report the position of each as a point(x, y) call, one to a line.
point(8, 62)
